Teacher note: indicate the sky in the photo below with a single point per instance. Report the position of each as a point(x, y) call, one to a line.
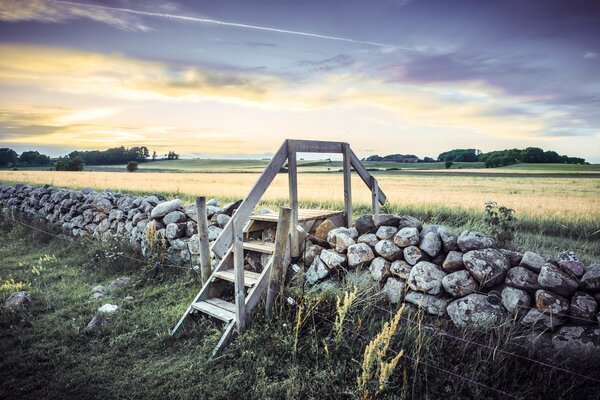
point(235, 78)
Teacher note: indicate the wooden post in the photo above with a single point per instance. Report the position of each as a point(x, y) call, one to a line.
point(347, 184)
point(238, 270)
point(293, 183)
point(375, 195)
point(205, 267)
point(277, 269)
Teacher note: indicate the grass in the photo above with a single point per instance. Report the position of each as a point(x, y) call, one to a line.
point(47, 354)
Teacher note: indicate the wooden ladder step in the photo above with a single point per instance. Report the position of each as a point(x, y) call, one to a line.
point(217, 308)
point(250, 278)
point(260, 246)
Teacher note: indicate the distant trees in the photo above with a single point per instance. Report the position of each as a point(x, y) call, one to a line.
point(528, 155)
point(457, 155)
point(8, 157)
point(448, 164)
point(115, 155)
point(172, 156)
point(132, 166)
point(33, 158)
point(70, 164)
point(402, 158)
point(154, 155)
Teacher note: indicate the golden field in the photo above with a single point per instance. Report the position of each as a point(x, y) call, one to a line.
point(560, 198)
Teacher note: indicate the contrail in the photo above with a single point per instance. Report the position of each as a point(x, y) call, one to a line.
point(233, 24)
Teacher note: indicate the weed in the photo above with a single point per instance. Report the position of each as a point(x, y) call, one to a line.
point(343, 305)
point(501, 222)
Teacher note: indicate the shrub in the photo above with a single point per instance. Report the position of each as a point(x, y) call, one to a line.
point(501, 222)
point(448, 164)
point(132, 166)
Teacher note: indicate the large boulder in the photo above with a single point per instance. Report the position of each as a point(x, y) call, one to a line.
point(333, 259)
point(380, 269)
point(385, 219)
point(412, 254)
point(368, 238)
point(590, 281)
point(522, 278)
point(569, 262)
point(405, 237)
point(488, 266)
point(408, 221)
point(583, 308)
point(386, 232)
point(359, 254)
point(431, 304)
point(332, 235)
point(426, 277)
point(174, 217)
point(516, 301)
point(317, 271)
point(324, 228)
point(449, 239)
point(472, 240)
point(364, 224)
point(393, 290)
point(556, 280)
point(453, 261)
point(18, 301)
point(532, 261)
point(551, 303)
point(164, 208)
point(459, 284)
point(311, 252)
point(477, 311)
point(431, 244)
point(388, 250)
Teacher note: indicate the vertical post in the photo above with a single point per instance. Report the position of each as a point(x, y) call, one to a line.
point(293, 183)
point(347, 184)
point(375, 195)
point(205, 267)
point(277, 267)
point(238, 270)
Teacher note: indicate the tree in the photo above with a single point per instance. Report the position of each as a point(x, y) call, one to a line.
point(154, 155)
point(448, 164)
point(28, 157)
point(70, 164)
point(132, 166)
point(8, 157)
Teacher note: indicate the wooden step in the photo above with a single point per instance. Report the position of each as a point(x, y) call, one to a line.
point(260, 246)
point(303, 215)
point(217, 308)
point(250, 278)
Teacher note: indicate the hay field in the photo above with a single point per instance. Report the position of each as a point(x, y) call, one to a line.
point(562, 198)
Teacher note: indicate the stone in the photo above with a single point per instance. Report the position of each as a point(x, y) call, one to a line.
point(18, 301)
point(459, 283)
point(214, 232)
point(385, 219)
point(97, 295)
point(400, 269)
point(386, 232)
point(311, 252)
point(342, 242)
point(324, 228)
point(212, 202)
point(230, 208)
point(536, 318)
point(368, 238)
point(174, 217)
point(121, 281)
point(393, 290)
point(583, 308)
point(453, 261)
point(98, 289)
point(164, 208)
point(488, 266)
point(581, 344)
point(514, 257)
point(431, 244)
point(108, 309)
point(532, 261)
point(331, 236)
point(175, 231)
point(268, 235)
point(429, 229)
point(551, 303)
point(431, 304)
point(333, 259)
point(359, 254)
point(379, 269)
point(222, 220)
point(516, 301)
point(365, 224)
point(471, 240)
point(591, 279)
point(477, 311)
point(426, 277)
point(405, 237)
point(556, 280)
point(408, 221)
point(449, 239)
point(573, 268)
point(412, 254)
point(317, 271)
point(522, 278)
point(388, 250)
point(98, 323)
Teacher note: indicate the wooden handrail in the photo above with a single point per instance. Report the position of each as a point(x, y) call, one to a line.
point(366, 176)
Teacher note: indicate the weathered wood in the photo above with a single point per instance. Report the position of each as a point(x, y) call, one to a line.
point(316, 146)
point(375, 195)
point(250, 277)
point(260, 246)
point(226, 338)
point(202, 220)
point(365, 176)
point(240, 217)
point(304, 215)
point(293, 186)
point(347, 185)
point(277, 269)
point(214, 310)
point(238, 270)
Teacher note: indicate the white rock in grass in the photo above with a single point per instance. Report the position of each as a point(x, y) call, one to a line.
point(108, 309)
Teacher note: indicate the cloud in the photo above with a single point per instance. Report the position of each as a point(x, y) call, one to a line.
point(327, 64)
point(51, 11)
point(590, 55)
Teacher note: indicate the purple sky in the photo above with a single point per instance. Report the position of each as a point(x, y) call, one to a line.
point(421, 76)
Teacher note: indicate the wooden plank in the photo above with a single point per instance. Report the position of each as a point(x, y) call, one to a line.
point(214, 311)
point(316, 146)
point(250, 277)
point(303, 215)
point(238, 269)
point(293, 186)
point(276, 275)
point(365, 176)
point(260, 246)
point(225, 305)
point(226, 338)
point(375, 195)
point(240, 217)
point(347, 185)
point(202, 220)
